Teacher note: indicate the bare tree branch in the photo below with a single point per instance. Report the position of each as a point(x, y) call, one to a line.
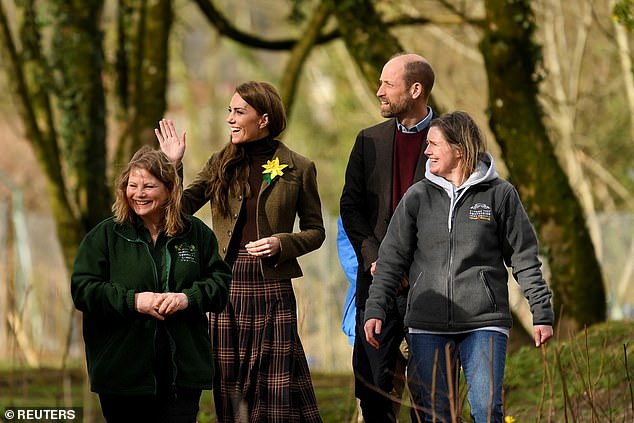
point(300, 52)
point(226, 28)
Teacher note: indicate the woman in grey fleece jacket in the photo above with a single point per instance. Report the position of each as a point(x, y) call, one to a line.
point(452, 236)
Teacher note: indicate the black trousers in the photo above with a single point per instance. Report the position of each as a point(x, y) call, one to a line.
point(178, 407)
point(374, 369)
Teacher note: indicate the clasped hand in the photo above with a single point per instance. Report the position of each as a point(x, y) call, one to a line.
point(160, 304)
point(265, 247)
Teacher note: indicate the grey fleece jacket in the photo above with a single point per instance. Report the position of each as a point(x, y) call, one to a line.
point(455, 245)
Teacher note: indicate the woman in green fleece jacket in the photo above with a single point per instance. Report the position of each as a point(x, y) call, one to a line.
point(144, 280)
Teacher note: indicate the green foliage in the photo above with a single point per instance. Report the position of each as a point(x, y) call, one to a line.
point(622, 13)
point(298, 14)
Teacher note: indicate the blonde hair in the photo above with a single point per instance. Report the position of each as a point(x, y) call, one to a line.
point(462, 133)
point(157, 163)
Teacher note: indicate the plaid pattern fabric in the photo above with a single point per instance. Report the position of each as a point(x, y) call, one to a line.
point(261, 370)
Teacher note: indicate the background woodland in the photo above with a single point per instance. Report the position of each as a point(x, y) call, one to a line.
point(84, 83)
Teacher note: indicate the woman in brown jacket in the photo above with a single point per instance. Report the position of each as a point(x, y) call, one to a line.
point(256, 187)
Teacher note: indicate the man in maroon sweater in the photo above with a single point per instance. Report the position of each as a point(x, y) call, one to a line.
point(385, 160)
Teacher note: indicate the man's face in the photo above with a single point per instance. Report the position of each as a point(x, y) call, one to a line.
point(393, 93)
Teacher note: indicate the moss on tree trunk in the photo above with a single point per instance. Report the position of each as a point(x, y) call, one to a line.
point(511, 60)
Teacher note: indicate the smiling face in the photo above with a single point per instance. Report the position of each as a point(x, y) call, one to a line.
point(245, 122)
point(445, 160)
point(146, 195)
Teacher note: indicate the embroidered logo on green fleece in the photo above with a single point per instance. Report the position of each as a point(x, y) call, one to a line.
point(187, 253)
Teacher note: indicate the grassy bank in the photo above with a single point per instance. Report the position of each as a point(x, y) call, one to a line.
point(587, 379)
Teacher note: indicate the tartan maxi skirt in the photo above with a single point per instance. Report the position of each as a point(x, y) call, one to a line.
point(262, 375)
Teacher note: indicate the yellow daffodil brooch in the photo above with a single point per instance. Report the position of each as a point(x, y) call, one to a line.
point(272, 168)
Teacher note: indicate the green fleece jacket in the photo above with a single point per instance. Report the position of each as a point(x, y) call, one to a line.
point(112, 264)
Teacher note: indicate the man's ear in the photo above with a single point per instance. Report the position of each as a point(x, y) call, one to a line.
point(416, 90)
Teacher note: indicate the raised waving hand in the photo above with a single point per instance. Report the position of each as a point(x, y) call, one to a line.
point(171, 144)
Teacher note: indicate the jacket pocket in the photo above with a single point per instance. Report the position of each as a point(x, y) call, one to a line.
point(412, 289)
point(488, 291)
point(427, 301)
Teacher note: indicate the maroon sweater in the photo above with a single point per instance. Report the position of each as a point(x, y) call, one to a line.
point(407, 148)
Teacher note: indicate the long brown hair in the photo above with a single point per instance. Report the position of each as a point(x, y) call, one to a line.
point(157, 163)
point(230, 171)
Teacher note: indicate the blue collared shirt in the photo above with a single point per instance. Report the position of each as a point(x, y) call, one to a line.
point(419, 126)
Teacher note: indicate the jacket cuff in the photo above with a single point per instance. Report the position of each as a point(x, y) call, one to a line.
point(545, 317)
point(193, 298)
point(130, 300)
point(372, 311)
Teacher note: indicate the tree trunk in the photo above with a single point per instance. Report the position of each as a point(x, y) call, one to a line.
point(31, 80)
point(77, 58)
point(511, 60)
point(367, 37)
point(299, 54)
point(142, 70)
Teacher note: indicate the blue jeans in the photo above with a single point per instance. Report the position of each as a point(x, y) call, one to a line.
point(482, 355)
